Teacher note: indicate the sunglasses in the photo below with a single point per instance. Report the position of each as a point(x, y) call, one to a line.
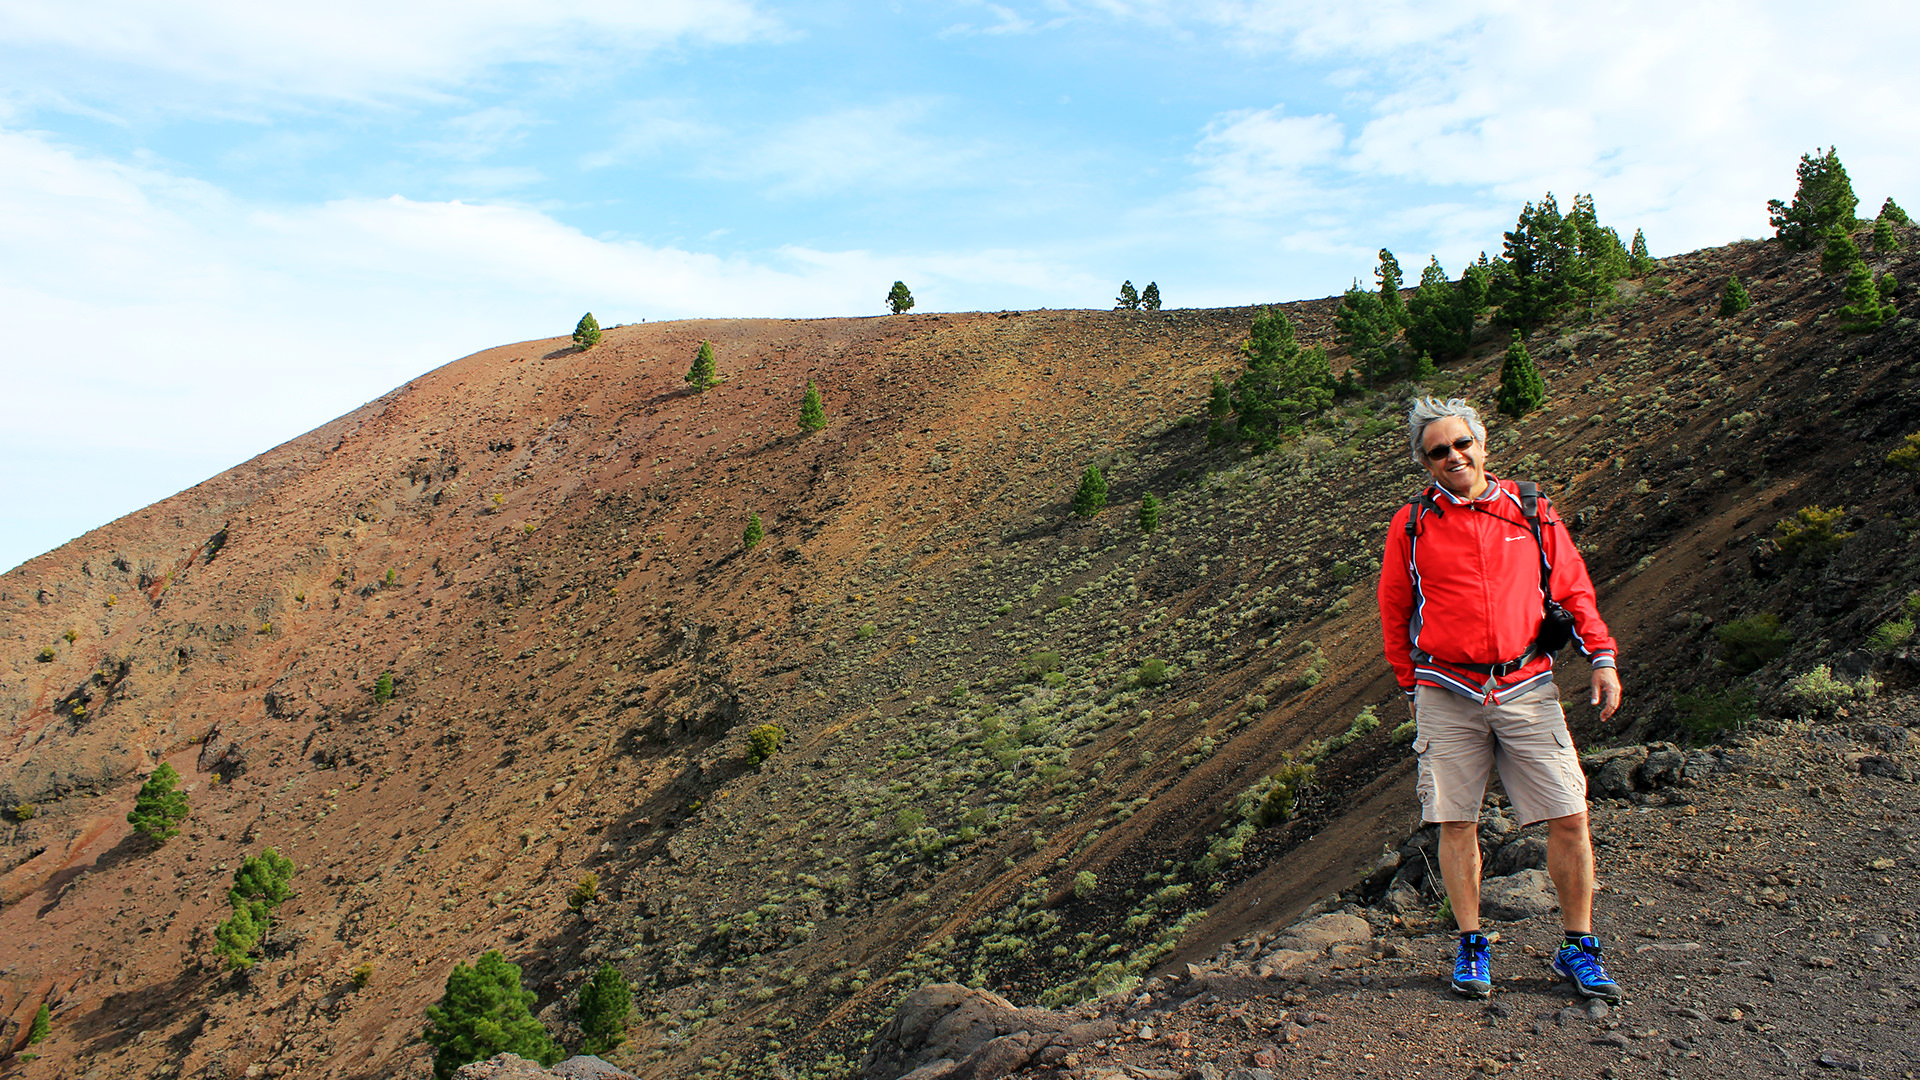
point(1440, 452)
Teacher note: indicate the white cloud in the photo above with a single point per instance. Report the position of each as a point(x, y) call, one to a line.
point(1262, 162)
point(856, 148)
point(358, 49)
point(160, 329)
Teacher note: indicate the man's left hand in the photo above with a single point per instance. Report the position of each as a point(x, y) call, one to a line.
point(1606, 691)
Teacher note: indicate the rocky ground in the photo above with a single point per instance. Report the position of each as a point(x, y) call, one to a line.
point(1760, 904)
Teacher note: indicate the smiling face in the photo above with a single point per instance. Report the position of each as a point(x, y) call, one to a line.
point(1463, 472)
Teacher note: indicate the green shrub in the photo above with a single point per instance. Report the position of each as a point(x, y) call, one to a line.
point(1039, 665)
point(48, 654)
point(1149, 513)
point(362, 974)
point(1445, 911)
point(1084, 883)
point(1152, 672)
point(753, 533)
point(1288, 782)
point(813, 415)
point(383, 688)
point(1753, 642)
point(1734, 298)
point(485, 1012)
point(42, 1025)
point(23, 812)
point(1905, 457)
point(585, 891)
point(899, 298)
point(1705, 717)
point(1521, 388)
point(159, 809)
point(1405, 733)
point(586, 333)
point(1092, 494)
point(262, 883)
point(701, 376)
point(1055, 679)
point(1892, 634)
point(605, 1001)
point(763, 742)
point(866, 631)
point(1821, 694)
point(1811, 533)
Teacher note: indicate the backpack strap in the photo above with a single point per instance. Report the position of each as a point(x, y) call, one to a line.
point(1424, 499)
point(1530, 508)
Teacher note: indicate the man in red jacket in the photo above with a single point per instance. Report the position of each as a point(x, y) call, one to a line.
point(1460, 606)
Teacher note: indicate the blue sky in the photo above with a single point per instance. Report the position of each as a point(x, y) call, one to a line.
point(226, 223)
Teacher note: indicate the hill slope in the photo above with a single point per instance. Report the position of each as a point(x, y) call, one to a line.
point(544, 548)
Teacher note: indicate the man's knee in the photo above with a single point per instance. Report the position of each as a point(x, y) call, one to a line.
point(1569, 826)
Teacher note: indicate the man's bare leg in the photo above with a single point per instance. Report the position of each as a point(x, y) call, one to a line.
point(1460, 869)
point(1570, 865)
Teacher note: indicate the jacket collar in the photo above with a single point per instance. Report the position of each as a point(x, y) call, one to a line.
point(1494, 488)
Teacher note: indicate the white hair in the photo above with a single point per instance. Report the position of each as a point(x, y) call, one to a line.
point(1425, 411)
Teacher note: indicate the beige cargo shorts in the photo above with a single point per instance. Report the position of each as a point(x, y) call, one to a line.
point(1459, 740)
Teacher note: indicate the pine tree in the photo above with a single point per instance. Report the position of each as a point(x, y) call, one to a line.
point(1387, 275)
point(1603, 259)
point(1365, 329)
point(1220, 400)
point(1150, 296)
point(1867, 307)
point(1734, 298)
point(1423, 369)
point(263, 883)
point(586, 334)
point(42, 1025)
point(1149, 512)
point(1886, 237)
point(753, 533)
point(1521, 388)
point(1129, 300)
point(1825, 199)
point(813, 415)
point(701, 375)
point(1892, 212)
point(1639, 263)
point(383, 688)
point(1282, 385)
point(1543, 271)
point(485, 1012)
point(605, 1001)
point(1092, 494)
point(1440, 317)
point(1841, 252)
point(899, 299)
point(158, 809)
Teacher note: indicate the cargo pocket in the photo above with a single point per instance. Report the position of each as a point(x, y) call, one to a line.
point(1569, 759)
point(1423, 776)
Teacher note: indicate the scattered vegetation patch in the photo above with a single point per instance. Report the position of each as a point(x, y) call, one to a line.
point(1751, 643)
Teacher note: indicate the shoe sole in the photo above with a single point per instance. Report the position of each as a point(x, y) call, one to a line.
point(1472, 991)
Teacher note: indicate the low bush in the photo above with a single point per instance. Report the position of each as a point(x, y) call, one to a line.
point(1821, 694)
point(585, 891)
point(763, 742)
point(1753, 642)
point(1152, 672)
point(1039, 665)
point(1812, 533)
point(1280, 801)
point(1705, 717)
point(1892, 634)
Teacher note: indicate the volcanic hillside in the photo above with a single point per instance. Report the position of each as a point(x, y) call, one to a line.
point(982, 776)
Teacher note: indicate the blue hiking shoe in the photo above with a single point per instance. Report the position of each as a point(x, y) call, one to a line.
point(1581, 963)
point(1473, 967)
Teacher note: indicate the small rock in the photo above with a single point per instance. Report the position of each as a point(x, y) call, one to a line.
point(1597, 1009)
point(1820, 961)
point(1830, 1060)
point(1732, 1016)
point(1291, 1032)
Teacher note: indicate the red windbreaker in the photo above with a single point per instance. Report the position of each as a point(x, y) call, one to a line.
point(1465, 589)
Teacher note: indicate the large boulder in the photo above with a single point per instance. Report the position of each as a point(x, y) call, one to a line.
point(945, 1031)
point(1517, 896)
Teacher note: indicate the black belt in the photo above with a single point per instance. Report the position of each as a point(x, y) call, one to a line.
point(1497, 671)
